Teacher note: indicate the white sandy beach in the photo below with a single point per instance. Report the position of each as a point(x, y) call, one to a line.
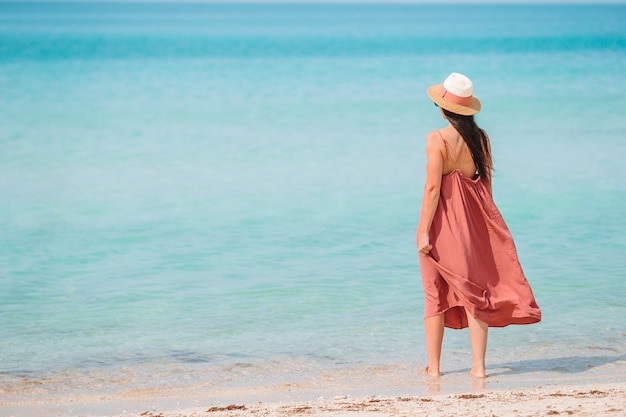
point(603, 400)
point(394, 390)
point(581, 400)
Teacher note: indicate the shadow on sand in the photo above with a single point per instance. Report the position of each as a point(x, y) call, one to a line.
point(567, 365)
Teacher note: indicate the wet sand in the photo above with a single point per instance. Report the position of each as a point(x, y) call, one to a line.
point(393, 390)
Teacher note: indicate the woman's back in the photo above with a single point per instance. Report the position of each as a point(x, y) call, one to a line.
point(457, 155)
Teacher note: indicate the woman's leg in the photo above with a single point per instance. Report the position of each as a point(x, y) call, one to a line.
point(434, 339)
point(478, 331)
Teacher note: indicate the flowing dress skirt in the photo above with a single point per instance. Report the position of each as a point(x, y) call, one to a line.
point(473, 263)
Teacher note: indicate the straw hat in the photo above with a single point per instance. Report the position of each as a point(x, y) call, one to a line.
point(455, 95)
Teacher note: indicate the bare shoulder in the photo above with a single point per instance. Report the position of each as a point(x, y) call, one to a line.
point(434, 142)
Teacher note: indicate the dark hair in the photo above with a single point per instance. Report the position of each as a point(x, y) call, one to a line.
point(476, 140)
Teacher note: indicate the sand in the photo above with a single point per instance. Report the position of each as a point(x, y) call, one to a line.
point(596, 389)
point(607, 399)
point(603, 400)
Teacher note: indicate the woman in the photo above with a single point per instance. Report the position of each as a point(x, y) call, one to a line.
point(470, 271)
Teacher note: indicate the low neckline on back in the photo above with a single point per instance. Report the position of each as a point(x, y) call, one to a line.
point(475, 178)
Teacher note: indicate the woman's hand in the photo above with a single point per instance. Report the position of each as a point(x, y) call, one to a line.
point(423, 244)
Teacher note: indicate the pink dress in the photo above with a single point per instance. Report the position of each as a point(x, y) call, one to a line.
point(473, 262)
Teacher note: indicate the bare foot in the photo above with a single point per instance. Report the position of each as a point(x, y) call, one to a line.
point(480, 375)
point(427, 371)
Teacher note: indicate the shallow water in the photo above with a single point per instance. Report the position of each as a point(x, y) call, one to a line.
point(188, 189)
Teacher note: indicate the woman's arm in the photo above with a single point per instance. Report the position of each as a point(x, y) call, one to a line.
point(435, 152)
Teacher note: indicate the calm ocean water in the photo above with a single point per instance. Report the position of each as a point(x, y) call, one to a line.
point(191, 188)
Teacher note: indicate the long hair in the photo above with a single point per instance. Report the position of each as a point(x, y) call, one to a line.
point(476, 140)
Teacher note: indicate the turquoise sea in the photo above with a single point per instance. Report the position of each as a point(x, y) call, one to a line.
point(217, 195)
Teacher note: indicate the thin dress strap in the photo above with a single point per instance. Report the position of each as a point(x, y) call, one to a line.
point(445, 143)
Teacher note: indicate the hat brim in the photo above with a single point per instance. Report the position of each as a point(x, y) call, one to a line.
point(472, 108)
